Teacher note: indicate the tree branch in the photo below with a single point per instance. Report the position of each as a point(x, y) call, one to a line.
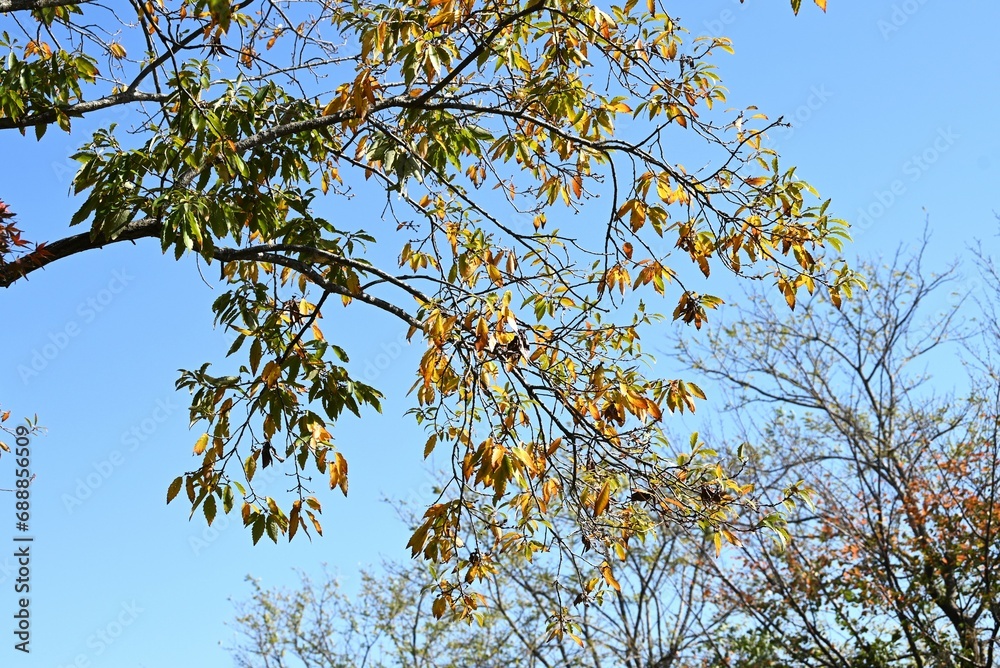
point(77, 110)
point(21, 5)
point(79, 243)
point(255, 255)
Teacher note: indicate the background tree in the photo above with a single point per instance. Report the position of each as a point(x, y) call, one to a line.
point(453, 115)
point(528, 618)
point(894, 564)
point(889, 409)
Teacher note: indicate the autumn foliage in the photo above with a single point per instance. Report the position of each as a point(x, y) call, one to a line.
point(462, 120)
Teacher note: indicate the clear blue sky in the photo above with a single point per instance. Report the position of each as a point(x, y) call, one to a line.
point(894, 105)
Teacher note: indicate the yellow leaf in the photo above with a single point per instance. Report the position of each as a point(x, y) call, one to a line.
point(342, 466)
point(117, 50)
point(315, 522)
point(442, 19)
point(821, 4)
point(790, 297)
point(675, 502)
point(332, 107)
point(439, 606)
point(602, 499)
point(835, 298)
point(608, 577)
point(201, 444)
point(270, 373)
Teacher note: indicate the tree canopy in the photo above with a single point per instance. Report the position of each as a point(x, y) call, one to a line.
point(602, 126)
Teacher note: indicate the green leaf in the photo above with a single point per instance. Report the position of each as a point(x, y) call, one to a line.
point(209, 508)
point(258, 528)
point(227, 499)
point(174, 488)
point(255, 355)
point(272, 528)
point(222, 12)
point(237, 344)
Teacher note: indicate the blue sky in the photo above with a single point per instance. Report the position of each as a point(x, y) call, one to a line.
point(894, 106)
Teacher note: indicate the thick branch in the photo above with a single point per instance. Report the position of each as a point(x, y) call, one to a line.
point(71, 246)
point(151, 228)
point(77, 110)
point(21, 5)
